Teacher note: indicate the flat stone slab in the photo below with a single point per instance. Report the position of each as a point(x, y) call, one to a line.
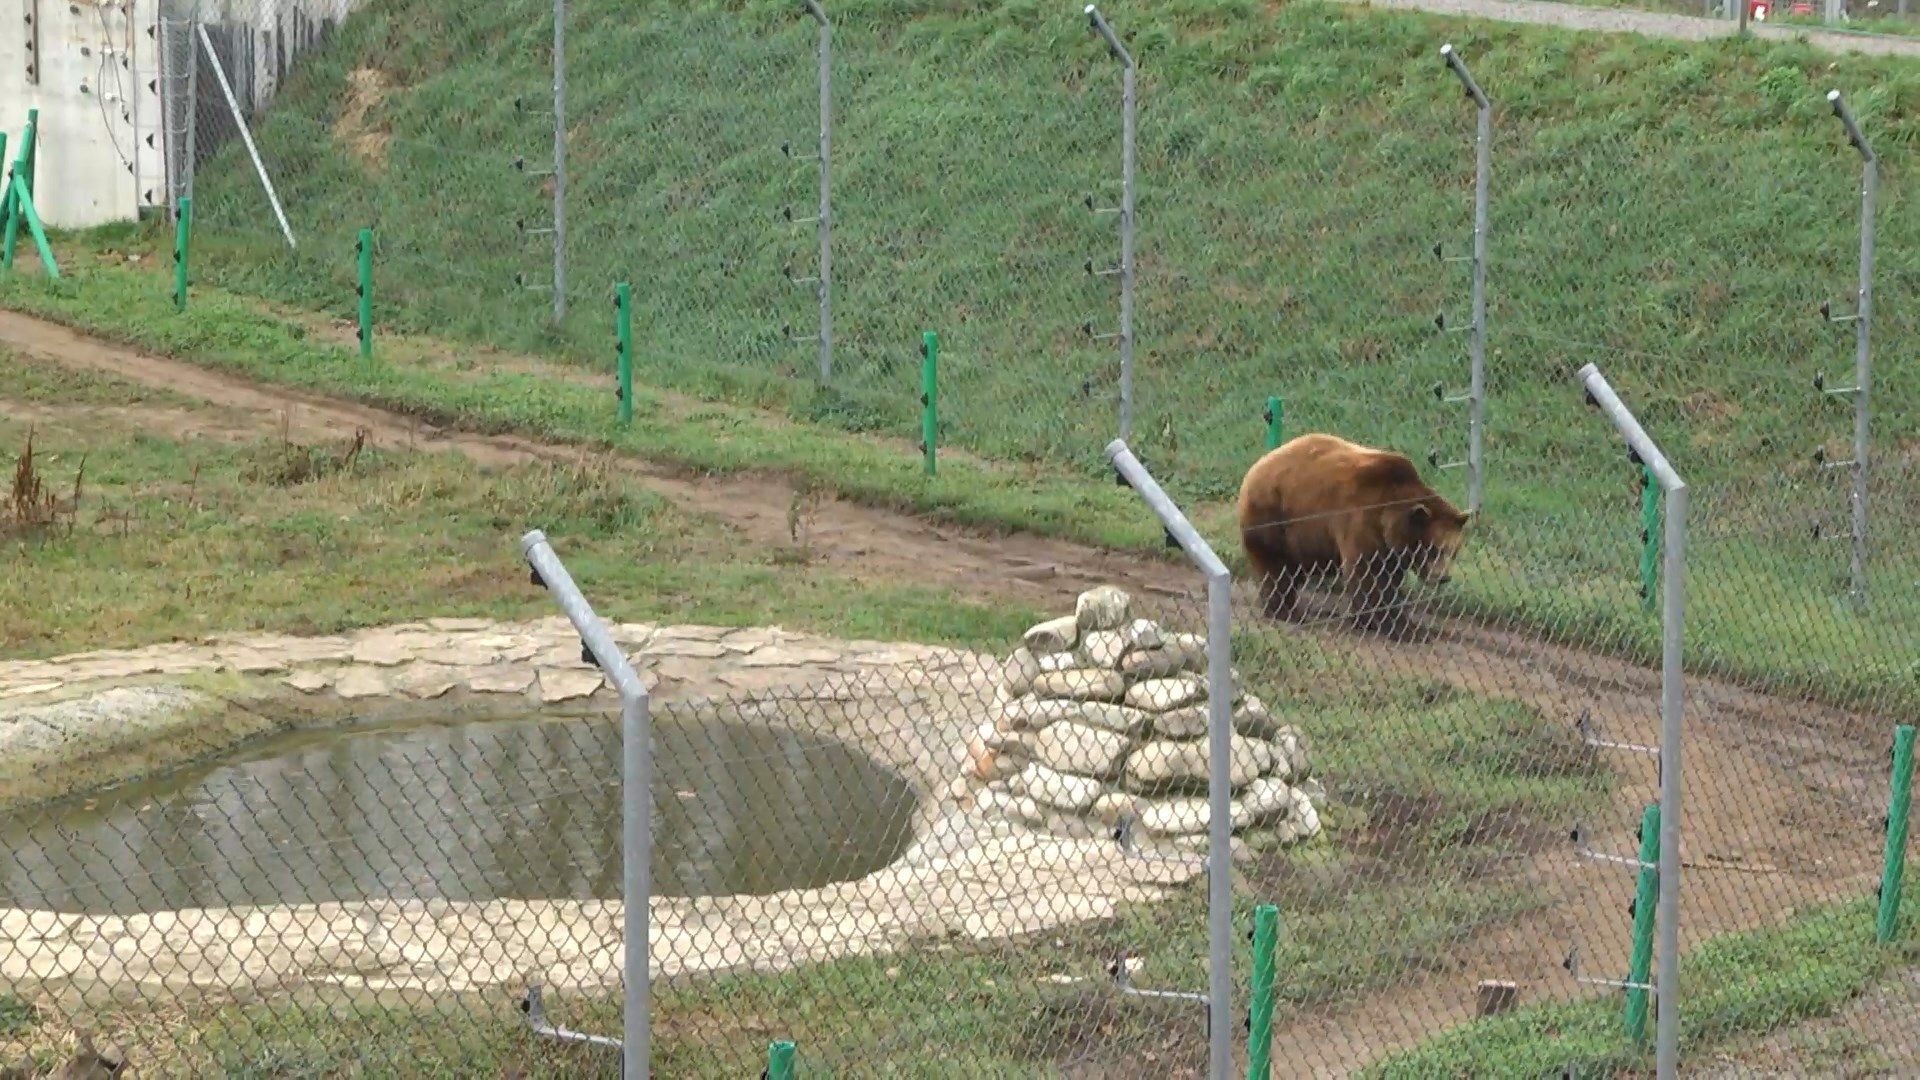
point(358, 682)
point(567, 684)
point(308, 681)
point(500, 680)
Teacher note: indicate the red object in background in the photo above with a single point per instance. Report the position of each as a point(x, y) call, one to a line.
point(1800, 7)
point(1757, 10)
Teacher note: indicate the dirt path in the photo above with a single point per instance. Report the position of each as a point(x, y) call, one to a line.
point(1781, 804)
point(1651, 24)
point(856, 541)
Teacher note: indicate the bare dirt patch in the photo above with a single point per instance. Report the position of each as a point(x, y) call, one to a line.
point(364, 137)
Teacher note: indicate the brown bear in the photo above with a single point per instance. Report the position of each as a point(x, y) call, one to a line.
point(1320, 503)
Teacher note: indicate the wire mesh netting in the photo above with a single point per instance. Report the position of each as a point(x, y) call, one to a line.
point(992, 861)
point(909, 858)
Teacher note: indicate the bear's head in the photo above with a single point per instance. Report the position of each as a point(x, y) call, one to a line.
point(1434, 530)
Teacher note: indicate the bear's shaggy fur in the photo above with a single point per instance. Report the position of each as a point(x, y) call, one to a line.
point(1320, 503)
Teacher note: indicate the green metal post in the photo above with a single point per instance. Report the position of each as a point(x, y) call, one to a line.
point(623, 318)
point(10, 234)
point(1645, 897)
point(364, 249)
point(23, 209)
point(1276, 418)
point(6, 190)
point(1649, 538)
point(780, 1061)
point(1266, 937)
point(1894, 869)
point(930, 398)
point(182, 234)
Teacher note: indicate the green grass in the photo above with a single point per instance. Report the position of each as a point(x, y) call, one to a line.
point(1734, 986)
point(1766, 600)
point(177, 539)
point(966, 138)
point(1672, 211)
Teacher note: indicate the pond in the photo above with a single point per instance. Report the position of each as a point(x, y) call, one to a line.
point(525, 808)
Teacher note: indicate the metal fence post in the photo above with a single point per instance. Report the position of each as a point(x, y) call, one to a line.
point(825, 223)
point(1862, 356)
point(559, 160)
point(1477, 387)
point(1266, 937)
point(1128, 107)
point(1894, 861)
point(1220, 760)
point(636, 801)
point(363, 263)
point(1672, 702)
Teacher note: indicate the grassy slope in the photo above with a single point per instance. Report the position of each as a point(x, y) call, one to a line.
point(1674, 212)
point(1681, 209)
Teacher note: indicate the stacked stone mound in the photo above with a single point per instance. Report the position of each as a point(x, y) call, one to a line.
point(1102, 718)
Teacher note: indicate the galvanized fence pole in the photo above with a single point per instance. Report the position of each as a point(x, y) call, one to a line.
point(1219, 737)
point(636, 804)
point(825, 224)
point(1862, 344)
point(559, 160)
point(1128, 107)
point(1477, 347)
point(1672, 699)
point(193, 97)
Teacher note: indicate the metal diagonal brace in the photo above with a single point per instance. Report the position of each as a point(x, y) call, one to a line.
point(1585, 851)
point(21, 208)
point(536, 1012)
point(1572, 964)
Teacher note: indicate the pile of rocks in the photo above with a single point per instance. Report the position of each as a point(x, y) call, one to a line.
point(1102, 719)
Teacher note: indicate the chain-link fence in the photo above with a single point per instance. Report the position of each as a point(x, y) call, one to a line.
point(1310, 236)
point(1456, 789)
point(943, 868)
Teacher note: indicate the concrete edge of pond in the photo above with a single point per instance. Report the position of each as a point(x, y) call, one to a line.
point(98, 718)
point(76, 723)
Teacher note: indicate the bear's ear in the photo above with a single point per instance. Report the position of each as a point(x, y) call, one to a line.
point(1420, 516)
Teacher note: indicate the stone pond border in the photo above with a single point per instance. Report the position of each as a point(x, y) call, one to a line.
point(79, 722)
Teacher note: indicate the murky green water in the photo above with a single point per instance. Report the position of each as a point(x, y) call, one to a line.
point(470, 811)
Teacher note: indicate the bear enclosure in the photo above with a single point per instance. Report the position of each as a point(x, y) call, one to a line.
point(1475, 823)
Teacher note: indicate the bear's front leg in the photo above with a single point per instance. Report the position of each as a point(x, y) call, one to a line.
point(1280, 595)
point(1373, 592)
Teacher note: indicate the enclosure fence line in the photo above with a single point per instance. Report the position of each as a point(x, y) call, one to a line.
point(1181, 532)
point(1862, 388)
point(1672, 694)
point(1476, 396)
point(1125, 271)
point(822, 281)
point(559, 160)
point(636, 807)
